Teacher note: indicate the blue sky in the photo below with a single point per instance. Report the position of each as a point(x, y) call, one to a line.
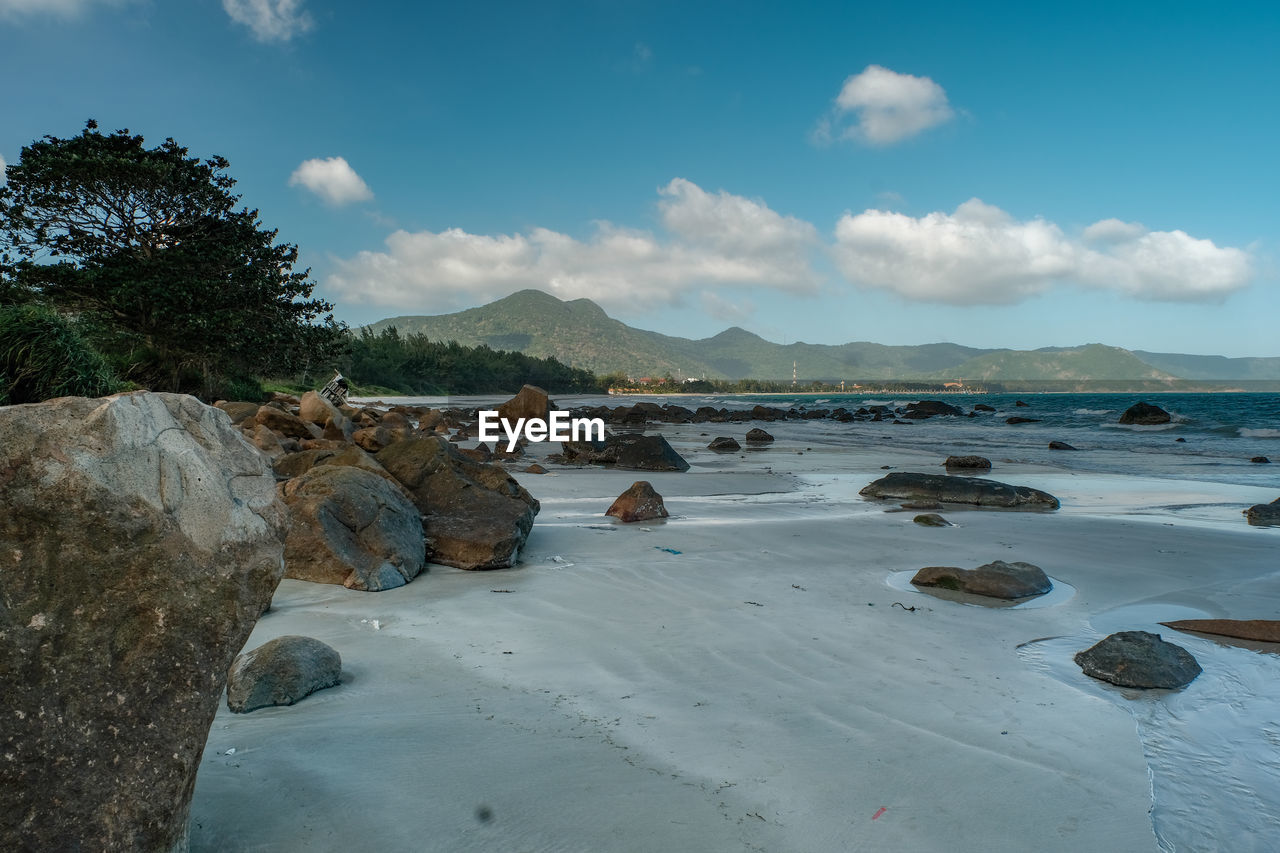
point(1006, 174)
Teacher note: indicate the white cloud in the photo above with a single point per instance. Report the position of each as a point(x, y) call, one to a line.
point(57, 8)
point(881, 107)
point(331, 178)
point(270, 20)
point(712, 240)
point(981, 255)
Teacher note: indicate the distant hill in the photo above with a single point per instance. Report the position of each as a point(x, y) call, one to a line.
point(580, 334)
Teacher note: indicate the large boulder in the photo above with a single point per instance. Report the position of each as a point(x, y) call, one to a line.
point(905, 485)
point(1264, 515)
point(474, 515)
point(531, 402)
point(282, 423)
point(141, 538)
point(724, 444)
point(315, 409)
point(238, 411)
point(758, 436)
point(1139, 659)
point(1145, 414)
point(997, 579)
point(638, 503)
point(281, 672)
point(348, 525)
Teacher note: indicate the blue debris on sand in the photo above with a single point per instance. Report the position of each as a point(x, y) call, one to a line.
point(668, 550)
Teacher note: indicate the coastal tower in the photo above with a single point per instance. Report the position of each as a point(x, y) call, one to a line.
point(793, 374)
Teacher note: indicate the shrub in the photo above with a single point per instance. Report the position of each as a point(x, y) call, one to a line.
point(43, 356)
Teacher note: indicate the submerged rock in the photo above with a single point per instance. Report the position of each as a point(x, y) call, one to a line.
point(928, 409)
point(140, 540)
point(1261, 460)
point(1259, 630)
point(281, 672)
point(638, 503)
point(1145, 414)
point(931, 519)
point(905, 485)
point(997, 579)
point(1139, 659)
point(1060, 445)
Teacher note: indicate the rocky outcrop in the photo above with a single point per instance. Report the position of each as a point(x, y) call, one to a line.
point(628, 450)
point(474, 515)
point(1145, 414)
point(1259, 630)
point(638, 503)
point(971, 463)
point(281, 672)
point(1060, 445)
point(1264, 515)
point(238, 411)
point(904, 485)
point(1139, 659)
point(315, 409)
point(724, 444)
point(349, 526)
point(531, 402)
point(141, 539)
point(285, 424)
point(997, 579)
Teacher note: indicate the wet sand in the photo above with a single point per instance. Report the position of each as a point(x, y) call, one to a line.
point(762, 689)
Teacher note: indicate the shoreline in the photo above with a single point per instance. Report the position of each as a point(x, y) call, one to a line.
point(755, 689)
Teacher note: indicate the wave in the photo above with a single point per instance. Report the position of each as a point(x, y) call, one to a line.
point(1246, 432)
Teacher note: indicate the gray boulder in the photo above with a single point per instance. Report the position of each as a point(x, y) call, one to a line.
point(281, 672)
point(347, 525)
point(724, 444)
point(1145, 414)
point(905, 485)
point(996, 579)
point(140, 541)
point(1139, 659)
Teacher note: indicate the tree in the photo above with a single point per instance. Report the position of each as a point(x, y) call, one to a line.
point(184, 289)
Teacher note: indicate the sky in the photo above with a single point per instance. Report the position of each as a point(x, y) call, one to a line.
point(992, 174)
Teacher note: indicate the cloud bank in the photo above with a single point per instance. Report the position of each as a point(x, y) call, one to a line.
point(270, 20)
point(58, 8)
point(717, 248)
point(333, 179)
point(981, 255)
point(709, 240)
point(881, 107)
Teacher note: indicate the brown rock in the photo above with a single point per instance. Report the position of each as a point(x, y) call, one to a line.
point(638, 503)
point(931, 519)
point(281, 672)
point(237, 411)
point(373, 438)
point(315, 409)
point(531, 402)
point(535, 468)
point(140, 541)
point(977, 463)
point(758, 436)
point(475, 515)
point(1261, 630)
point(285, 424)
point(996, 579)
point(339, 428)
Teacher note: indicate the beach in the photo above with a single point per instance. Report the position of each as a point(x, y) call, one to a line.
point(754, 673)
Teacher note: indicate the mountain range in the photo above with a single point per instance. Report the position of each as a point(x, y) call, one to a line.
point(579, 333)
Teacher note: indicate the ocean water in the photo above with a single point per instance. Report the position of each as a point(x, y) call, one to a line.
point(1220, 432)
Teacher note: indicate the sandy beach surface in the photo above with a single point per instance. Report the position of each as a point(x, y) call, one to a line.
point(750, 674)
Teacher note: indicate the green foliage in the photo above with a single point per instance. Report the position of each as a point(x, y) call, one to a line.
point(184, 291)
point(42, 356)
point(415, 365)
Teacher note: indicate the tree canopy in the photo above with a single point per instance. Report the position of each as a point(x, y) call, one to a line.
point(149, 248)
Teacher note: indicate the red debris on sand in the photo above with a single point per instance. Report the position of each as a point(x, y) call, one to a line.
point(879, 812)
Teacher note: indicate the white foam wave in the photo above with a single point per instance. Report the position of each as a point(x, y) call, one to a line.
point(1246, 432)
point(1093, 411)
